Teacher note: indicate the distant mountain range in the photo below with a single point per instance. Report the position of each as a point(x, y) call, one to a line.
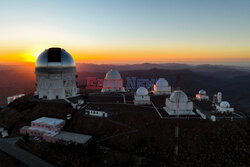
point(232, 81)
point(170, 66)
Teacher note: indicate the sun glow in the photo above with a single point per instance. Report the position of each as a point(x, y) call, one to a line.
point(31, 54)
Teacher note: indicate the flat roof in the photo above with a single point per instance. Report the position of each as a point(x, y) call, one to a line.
point(47, 120)
point(73, 137)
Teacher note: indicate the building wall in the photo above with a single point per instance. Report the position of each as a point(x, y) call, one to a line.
point(56, 86)
point(141, 99)
point(181, 107)
point(48, 126)
point(113, 85)
point(50, 139)
point(97, 113)
point(224, 110)
point(202, 97)
point(38, 132)
point(35, 133)
point(166, 90)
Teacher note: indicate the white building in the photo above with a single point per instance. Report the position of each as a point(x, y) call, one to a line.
point(213, 118)
point(113, 82)
point(141, 96)
point(161, 87)
point(12, 98)
point(202, 96)
point(219, 97)
point(50, 130)
point(3, 132)
point(96, 113)
point(179, 104)
point(224, 107)
point(55, 74)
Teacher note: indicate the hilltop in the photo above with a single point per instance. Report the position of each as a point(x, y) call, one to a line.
point(134, 134)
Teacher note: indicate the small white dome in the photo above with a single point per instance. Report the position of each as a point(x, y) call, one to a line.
point(202, 92)
point(141, 91)
point(224, 104)
point(162, 82)
point(213, 118)
point(179, 94)
point(113, 74)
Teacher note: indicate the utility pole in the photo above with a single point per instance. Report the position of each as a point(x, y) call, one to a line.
point(177, 119)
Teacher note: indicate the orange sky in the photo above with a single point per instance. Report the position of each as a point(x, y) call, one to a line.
point(134, 55)
point(120, 32)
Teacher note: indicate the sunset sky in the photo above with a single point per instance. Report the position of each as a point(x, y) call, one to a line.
point(127, 31)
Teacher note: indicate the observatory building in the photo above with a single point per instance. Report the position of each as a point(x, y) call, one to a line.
point(179, 104)
point(141, 96)
point(224, 107)
point(217, 98)
point(202, 96)
point(161, 87)
point(55, 75)
point(113, 82)
point(13, 98)
point(50, 130)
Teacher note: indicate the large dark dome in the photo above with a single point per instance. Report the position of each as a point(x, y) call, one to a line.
point(55, 57)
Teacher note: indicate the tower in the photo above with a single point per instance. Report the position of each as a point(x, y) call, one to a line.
point(219, 97)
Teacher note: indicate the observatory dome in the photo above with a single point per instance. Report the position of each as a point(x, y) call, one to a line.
point(162, 82)
point(142, 91)
point(224, 104)
point(202, 92)
point(113, 74)
point(178, 94)
point(55, 57)
point(55, 75)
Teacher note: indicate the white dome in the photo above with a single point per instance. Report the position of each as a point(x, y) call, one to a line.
point(142, 91)
point(113, 74)
point(178, 94)
point(202, 92)
point(224, 104)
point(55, 57)
point(162, 82)
point(213, 118)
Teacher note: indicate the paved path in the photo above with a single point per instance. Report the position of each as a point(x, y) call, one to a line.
point(156, 109)
point(119, 123)
point(203, 111)
point(8, 146)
